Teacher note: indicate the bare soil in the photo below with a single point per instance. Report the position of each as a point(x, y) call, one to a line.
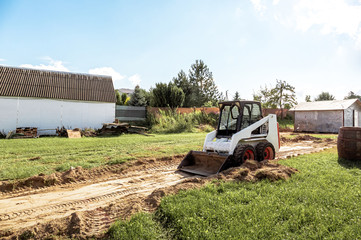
point(83, 203)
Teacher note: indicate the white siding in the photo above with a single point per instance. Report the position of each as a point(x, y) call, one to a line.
point(50, 114)
point(350, 113)
point(318, 121)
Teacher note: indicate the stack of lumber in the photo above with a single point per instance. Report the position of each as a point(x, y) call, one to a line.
point(119, 128)
point(26, 132)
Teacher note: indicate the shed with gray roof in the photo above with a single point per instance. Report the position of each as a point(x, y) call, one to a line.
point(327, 116)
point(50, 99)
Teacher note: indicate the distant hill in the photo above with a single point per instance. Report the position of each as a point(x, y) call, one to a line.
point(125, 90)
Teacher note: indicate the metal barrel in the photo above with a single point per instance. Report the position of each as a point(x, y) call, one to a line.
point(204, 163)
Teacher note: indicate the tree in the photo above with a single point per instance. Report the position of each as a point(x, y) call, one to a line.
point(167, 95)
point(264, 96)
point(325, 96)
point(182, 81)
point(203, 84)
point(352, 95)
point(236, 96)
point(118, 98)
point(308, 98)
point(283, 94)
point(138, 97)
point(124, 98)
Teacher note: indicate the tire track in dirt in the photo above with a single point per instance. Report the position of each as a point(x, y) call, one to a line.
point(60, 203)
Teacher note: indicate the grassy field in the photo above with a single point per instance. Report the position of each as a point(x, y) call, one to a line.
point(21, 158)
point(322, 201)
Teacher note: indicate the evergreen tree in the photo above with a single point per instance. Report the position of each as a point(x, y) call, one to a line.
point(236, 96)
point(202, 80)
point(325, 96)
point(188, 89)
point(167, 95)
point(138, 97)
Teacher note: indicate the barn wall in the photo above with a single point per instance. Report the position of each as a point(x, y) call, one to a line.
point(349, 115)
point(51, 113)
point(318, 121)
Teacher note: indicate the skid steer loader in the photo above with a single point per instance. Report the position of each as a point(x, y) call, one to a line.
point(242, 134)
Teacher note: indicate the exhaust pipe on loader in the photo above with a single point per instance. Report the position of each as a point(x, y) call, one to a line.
point(205, 163)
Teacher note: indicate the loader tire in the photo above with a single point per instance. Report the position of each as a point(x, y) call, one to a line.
point(243, 153)
point(265, 151)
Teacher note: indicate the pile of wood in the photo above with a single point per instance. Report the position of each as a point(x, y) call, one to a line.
point(26, 132)
point(119, 128)
point(115, 128)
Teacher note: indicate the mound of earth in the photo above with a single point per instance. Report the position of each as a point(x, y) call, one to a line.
point(79, 174)
point(306, 137)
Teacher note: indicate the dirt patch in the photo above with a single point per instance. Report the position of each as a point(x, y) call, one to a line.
point(79, 175)
point(306, 137)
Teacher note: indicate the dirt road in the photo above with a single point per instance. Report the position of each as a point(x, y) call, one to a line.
point(88, 205)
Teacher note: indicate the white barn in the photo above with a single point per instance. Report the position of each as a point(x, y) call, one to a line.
point(327, 116)
point(48, 100)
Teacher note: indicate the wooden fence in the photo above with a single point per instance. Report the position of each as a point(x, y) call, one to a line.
point(131, 113)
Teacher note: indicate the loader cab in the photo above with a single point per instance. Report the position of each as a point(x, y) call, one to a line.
point(237, 115)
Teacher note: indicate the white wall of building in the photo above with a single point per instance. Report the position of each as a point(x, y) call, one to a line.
point(318, 121)
point(352, 116)
point(51, 113)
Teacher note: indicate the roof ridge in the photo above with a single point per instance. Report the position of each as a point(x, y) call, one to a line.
point(24, 82)
point(55, 71)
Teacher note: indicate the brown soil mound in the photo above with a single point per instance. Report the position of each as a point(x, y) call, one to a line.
point(300, 138)
point(78, 174)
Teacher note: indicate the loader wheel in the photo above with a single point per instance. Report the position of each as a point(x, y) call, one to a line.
point(243, 153)
point(265, 151)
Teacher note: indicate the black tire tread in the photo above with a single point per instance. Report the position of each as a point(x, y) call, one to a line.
point(260, 150)
point(239, 152)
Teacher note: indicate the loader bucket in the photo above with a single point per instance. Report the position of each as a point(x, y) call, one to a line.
point(204, 163)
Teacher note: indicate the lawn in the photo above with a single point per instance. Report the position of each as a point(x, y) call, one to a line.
point(322, 201)
point(21, 158)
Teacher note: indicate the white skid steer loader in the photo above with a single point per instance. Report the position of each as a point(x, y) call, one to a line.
point(242, 134)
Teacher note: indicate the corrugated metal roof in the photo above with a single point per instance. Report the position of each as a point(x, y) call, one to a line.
point(325, 105)
point(23, 82)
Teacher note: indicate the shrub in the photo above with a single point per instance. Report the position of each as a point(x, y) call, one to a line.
point(170, 121)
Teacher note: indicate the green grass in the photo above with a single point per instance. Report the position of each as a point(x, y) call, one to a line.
point(142, 226)
point(322, 201)
point(21, 158)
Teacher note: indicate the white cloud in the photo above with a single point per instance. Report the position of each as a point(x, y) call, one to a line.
point(109, 71)
point(275, 2)
point(135, 79)
point(259, 6)
point(2, 60)
point(327, 16)
point(53, 65)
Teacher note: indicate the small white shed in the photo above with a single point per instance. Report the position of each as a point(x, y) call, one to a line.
point(49, 99)
point(327, 116)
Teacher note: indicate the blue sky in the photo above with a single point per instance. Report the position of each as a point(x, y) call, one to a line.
point(313, 45)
